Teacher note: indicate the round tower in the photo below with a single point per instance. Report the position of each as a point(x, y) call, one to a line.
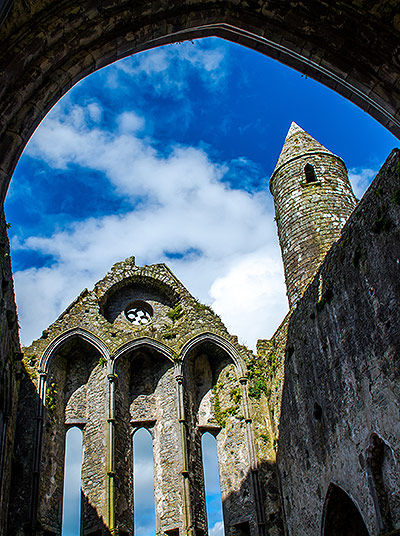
point(313, 199)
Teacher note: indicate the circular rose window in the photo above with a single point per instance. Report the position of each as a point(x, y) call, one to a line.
point(139, 313)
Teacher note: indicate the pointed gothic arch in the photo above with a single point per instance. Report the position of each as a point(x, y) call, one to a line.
point(67, 336)
point(219, 342)
point(341, 515)
point(82, 37)
point(141, 343)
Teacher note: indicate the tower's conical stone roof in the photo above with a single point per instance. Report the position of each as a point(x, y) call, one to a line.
point(298, 142)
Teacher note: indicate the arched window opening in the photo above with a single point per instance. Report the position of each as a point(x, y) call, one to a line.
point(376, 457)
point(143, 471)
point(71, 522)
point(309, 172)
point(341, 516)
point(212, 485)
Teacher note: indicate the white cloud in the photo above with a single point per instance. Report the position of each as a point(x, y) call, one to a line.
point(95, 112)
point(183, 205)
point(253, 288)
point(167, 68)
point(130, 122)
point(360, 179)
point(217, 529)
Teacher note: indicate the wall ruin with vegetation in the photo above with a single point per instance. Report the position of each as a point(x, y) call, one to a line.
point(338, 420)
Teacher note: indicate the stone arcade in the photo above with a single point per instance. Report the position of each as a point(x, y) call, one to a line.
point(307, 429)
point(140, 351)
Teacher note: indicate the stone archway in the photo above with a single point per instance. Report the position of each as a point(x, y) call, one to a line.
point(341, 516)
point(48, 47)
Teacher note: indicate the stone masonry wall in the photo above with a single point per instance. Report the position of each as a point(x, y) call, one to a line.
point(341, 384)
point(10, 369)
point(93, 350)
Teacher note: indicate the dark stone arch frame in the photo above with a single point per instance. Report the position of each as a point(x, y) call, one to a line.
point(46, 51)
point(66, 336)
point(379, 32)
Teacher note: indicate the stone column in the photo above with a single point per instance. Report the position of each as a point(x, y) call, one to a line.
point(255, 481)
point(37, 450)
point(187, 522)
point(110, 455)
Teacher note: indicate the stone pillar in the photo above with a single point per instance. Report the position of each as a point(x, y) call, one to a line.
point(313, 199)
point(187, 512)
point(110, 454)
point(255, 480)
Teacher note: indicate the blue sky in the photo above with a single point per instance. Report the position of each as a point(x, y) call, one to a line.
point(166, 155)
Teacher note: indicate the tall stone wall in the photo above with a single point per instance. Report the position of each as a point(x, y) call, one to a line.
point(339, 419)
point(10, 369)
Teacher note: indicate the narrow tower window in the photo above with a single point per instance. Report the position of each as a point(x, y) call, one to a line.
point(143, 471)
point(71, 523)
point(310, 173)
point(212, 484)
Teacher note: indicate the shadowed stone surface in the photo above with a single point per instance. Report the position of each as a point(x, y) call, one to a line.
point(339, 372)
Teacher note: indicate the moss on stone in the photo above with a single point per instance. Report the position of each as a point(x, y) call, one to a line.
point(260, 371)
point(396, 197)
point(175, 313)
point(217, 408)
point(235, 395)
point(168, 334)
point(51, 397)
point(325, 298)
point(382, 222)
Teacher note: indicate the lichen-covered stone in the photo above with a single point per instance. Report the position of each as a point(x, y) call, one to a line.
point(339, 374)
point(310, 208)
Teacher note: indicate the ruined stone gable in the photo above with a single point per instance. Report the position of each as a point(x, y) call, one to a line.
point(139, 351)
